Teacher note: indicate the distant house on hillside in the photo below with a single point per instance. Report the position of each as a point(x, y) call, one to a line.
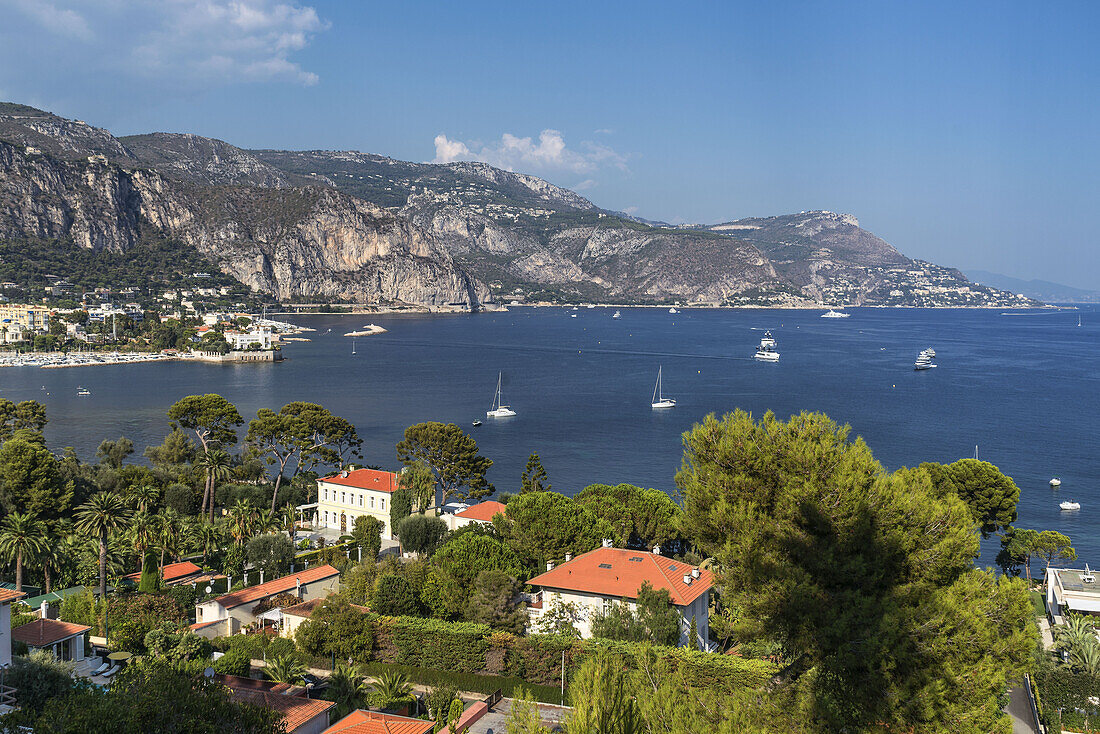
point(346, 495)
point(597, 579)
point(63, 639)
point(312, 583)
point(482, 512)
point(295, 615)
point(174, 574)
point(374, 722)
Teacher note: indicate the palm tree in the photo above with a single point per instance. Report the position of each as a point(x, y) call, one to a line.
point(266, 521)
point(288, 519)
point(171, 535)
point(284, 669)
point(145, 496)
point(393, 686)
point(216, 464)
point(22, 536)
point(348, 688)
point(99, 517)
point(242, 521)
point(207, 538)
point(144, 532)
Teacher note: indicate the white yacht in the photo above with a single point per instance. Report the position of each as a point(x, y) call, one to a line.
point(659, 400)
point(831, 314)
point(1055, 482)
point(1067, 505)
point(617, 315)
point(924, 360)
point(572, 315)
point(498, 409)
point(766, 351)
point(83, 391)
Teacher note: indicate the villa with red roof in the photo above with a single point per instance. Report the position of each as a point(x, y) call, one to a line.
point(373, 722)
point(344, 496)
point(312, 583)
point(482, 512)
point(173, 574)
point(597, 579)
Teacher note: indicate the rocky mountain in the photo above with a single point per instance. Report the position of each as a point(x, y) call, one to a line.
point(311, 226)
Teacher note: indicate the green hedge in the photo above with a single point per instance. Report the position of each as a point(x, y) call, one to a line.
point(467, 681)
point(1064, 698)
point(537, 659)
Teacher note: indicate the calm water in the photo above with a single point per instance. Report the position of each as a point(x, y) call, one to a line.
point(1021, 387)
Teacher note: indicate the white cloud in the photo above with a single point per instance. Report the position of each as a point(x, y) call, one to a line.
point(549, 154)
point(187, 41)
point(584, 185)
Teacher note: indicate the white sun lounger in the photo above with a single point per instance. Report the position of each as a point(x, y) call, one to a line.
point(112, 671)
point(101, 668)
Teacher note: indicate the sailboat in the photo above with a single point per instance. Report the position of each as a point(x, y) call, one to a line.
point(659, 400)
point(353, 345)
point(617, 315)
point(498, 409)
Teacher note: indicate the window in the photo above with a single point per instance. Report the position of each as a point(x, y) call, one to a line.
point(372, 501)
point(360, 500)
point(605, 565)
point(343, 498)
point(326, 517)
point(326, 494)
point(636, 559)
point(383, 503)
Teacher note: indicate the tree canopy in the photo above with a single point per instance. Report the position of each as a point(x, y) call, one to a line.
point(867, 578)
point(457, 565)
point(990, 495)
point(544, 526)
point(639, 517)
point(210, 416)
point(452, 457)
point(29, 415)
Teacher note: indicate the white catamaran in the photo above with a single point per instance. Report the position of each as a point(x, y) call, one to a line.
point(659, 400)
point(498, 409)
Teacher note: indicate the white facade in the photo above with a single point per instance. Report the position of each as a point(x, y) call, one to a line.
point(260, 337)
point(589, 606)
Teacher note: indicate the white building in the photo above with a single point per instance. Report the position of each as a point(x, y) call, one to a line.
point(482, 512)
point(596, 580)
point(261, 338)
point(7, 596)
point(312, 583)
point(344, 496)
point(1072, 590)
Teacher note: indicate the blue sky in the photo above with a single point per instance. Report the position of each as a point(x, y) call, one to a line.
point(963, 133)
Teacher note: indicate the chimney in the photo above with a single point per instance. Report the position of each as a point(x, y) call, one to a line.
point(607, 543)
point(568, 557)
point(695, 573)
point(549, 565)
point(261, 575)
point(44, 610)
point(687, 579)
point(298, 587)
point(656, 550)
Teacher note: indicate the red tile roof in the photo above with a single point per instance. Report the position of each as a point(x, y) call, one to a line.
point(484, 511)
point(276, 586)
point(42, 632)
point(619, 572)
point(172, 572)
point(372, 722)
point(295, 709)
point(380, 481)
point(8, 595)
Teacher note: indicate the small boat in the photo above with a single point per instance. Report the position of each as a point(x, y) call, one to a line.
point(1055, 482)
point(1067, 505)
point(1078, 319)
point(924, 360)
point(591, 305)
point(659, 400)
point(574, 308)
point(83, 391)
point(831, 314)
point(498, 409)
point(572, 315)
point(353, 345)
point(476, 423)
point(617, 315)
point(673, 310)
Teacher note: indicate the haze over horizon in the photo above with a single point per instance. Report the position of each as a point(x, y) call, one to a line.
point(961, 135)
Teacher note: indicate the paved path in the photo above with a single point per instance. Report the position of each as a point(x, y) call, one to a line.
point(1019, 710)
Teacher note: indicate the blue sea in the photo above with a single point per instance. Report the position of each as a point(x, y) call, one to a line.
point(1020, 387)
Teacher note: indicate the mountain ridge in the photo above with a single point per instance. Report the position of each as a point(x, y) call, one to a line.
point(360, 227)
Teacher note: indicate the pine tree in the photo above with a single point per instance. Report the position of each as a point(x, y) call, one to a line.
point(534, 476)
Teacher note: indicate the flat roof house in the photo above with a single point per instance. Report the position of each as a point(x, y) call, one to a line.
point(595, 580)
point(1072, 590)
point(312, 583)
point(346, 495)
